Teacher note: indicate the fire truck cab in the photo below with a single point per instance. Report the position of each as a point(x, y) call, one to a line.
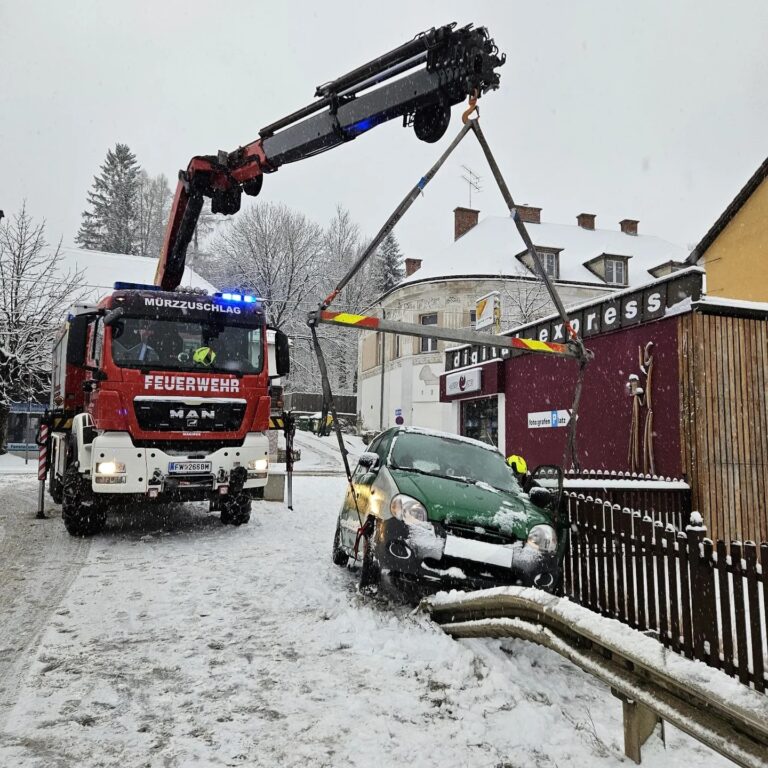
point(161, 395)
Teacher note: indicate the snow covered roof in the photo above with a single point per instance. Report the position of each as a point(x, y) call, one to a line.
point(490, 248)
point(101, 270)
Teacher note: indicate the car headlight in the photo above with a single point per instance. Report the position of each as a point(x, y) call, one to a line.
point(260, 465)
point(110, 468)
point(543, 537)
point(409, 510)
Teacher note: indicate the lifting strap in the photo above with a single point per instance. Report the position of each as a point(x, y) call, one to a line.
point(574, 341)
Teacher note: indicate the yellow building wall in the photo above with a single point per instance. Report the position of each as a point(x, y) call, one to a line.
point(737, 261)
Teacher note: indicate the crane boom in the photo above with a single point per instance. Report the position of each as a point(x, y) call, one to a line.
point(419, 81)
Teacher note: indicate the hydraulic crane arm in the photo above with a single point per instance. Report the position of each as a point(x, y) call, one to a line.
point(419, 81)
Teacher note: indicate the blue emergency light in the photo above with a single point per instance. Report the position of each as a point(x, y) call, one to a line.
point(238, 297)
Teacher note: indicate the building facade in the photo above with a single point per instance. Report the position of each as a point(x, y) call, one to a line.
point(677, 388)
point(734, 252)
point(399, 376)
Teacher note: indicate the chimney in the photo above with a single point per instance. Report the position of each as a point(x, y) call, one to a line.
point(586, 220)
point(463, 220)
point(529, 214)
point(629, 226)
point(411, 266)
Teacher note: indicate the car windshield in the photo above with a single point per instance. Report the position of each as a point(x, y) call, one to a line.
point(455, 459)
point(174, 345)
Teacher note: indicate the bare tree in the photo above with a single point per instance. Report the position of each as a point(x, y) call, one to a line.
point(153, 208)
point(274, 251)
point(35, 291)
point(523, 300)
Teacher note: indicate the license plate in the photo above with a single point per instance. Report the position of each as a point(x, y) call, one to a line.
point(188, 467)
point(479, 551)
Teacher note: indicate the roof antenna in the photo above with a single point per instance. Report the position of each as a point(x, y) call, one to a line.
point(473, 182)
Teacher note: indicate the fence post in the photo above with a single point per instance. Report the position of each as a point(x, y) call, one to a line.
point(702, 585)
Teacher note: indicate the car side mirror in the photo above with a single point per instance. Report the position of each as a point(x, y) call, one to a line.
point(548, 477)
point(113, 315)
point(282, 354)
point(77, 336)
point(369, 461)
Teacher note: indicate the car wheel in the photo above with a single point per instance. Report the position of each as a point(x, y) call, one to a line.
point(338, 555)
point(370, 571)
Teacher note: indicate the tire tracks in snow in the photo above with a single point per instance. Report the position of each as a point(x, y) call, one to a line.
point(39, 561)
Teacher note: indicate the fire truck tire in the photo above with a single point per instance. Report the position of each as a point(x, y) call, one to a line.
point(83, 515)
point(55, 488)
point(236, 509)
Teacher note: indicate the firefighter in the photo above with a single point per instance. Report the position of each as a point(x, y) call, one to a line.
point(204, 356)
point(519, 468)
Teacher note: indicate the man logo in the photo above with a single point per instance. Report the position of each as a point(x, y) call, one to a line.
point(192, 416)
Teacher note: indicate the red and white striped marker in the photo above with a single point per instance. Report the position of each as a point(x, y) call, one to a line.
point(43, 458)
point(42, 462)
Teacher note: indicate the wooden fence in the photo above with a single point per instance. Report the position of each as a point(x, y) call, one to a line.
point(705, 600)
point(664, 499)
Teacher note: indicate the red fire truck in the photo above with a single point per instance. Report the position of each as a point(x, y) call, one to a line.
point(161, 395)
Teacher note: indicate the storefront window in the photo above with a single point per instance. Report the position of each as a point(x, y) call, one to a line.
point(480, 419)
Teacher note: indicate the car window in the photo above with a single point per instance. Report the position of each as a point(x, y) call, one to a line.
point(456, 459)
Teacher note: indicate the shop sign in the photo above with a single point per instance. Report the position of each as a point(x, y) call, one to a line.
point(549, 419)
point(627, 309)
point(466, 381)
point(26, 408)
point(488, 311)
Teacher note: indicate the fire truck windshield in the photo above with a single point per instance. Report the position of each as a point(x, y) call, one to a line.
point(140, 342)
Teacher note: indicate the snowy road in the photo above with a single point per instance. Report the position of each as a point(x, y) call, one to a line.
point(173, 641)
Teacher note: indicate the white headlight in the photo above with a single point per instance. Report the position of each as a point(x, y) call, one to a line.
point(543, 537)
point(409, 510)
point(110, 468)
point(260, 465)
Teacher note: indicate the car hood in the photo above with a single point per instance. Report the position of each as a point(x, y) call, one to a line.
point(455, 501)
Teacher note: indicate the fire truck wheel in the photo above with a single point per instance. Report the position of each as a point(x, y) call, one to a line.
point(236, 509)
point(55, 488)
point(83, 515)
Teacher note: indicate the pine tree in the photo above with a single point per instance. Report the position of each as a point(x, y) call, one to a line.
point(390, 263)
point(111, 224)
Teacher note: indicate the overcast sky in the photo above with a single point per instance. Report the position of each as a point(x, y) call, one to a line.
point(653, 110)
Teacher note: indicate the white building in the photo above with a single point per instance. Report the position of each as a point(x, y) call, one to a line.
point(101, 270)
point(489, 256)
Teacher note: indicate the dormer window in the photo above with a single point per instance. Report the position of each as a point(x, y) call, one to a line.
point(549, 258)
point(612, 268)
point(615, 271)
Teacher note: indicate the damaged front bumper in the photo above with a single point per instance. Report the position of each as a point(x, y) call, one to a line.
point(432, 558)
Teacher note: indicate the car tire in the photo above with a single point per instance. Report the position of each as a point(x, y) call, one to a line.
point(370, 570)
point(236, 509)
point(338, 555)
point(83, 514)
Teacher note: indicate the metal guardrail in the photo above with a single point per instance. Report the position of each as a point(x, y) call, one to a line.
point(651, 685)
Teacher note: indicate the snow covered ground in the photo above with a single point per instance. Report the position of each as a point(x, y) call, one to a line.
point(15, 465)
point(173, 641)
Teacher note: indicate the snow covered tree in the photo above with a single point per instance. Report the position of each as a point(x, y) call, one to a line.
point(111, 223)
point(390, 263)
point(35, 292)
point(153, 208)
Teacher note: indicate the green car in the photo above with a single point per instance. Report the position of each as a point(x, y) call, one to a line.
point(439, 511)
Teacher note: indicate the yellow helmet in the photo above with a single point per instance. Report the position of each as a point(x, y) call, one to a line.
point(517, 463)
point(204, 356)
